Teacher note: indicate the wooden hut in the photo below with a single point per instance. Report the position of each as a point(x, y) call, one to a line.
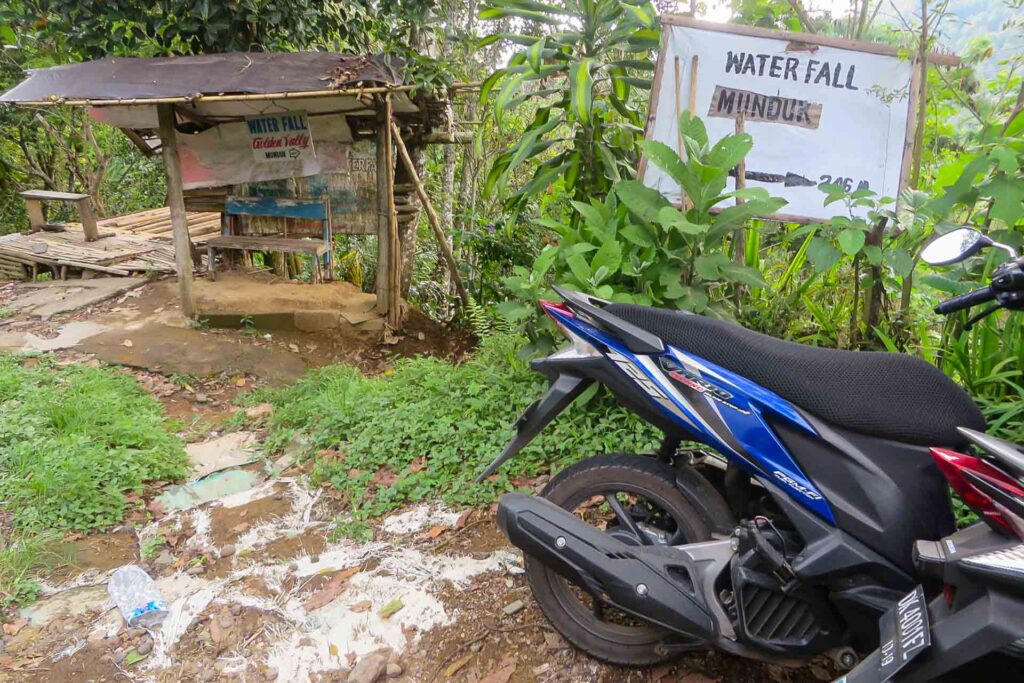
point(290, 148)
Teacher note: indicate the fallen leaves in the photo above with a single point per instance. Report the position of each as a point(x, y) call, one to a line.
point(454, 667)
point(361, 606)
point(391, 609)
point(329, 592)
point(326, 594)
point(13, 628)
point(502, 674)
point(436, 530)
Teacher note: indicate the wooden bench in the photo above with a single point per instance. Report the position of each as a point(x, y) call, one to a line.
point(278, 207)
point(34, 206)
point(285, 245)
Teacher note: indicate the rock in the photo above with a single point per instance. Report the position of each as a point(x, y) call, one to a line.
point(236, 609)
point(196, 570)
point(202, 398)
point(513, 607)
point(227, 550)
point(136, 632)
point(226, 621)
point(393, 670)
point(119, 656)
point(370, 668)
point(259, 411)
point(145, 646)
point(476, 647)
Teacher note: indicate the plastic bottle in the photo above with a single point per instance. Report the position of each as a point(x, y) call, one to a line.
point(137, 597)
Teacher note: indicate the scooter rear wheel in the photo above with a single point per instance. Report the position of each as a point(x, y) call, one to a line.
point(627, 496)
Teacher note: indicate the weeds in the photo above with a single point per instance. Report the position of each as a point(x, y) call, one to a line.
point(73, 440)
point(21, 558)
point(428, 428)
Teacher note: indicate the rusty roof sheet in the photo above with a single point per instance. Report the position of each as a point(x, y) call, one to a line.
point(137, 78)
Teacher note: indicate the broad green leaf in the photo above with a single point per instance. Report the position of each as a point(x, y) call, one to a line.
point(535, 54)
point(1006, 159)
point(644, 202)
point(944, 283)
point(743, 274)
point(730, 150)
point(693, 128)
point(901, 262)
point(638, 235)
point(822, 254)
point(709, 266)
point(490, 13)
point(579, 267)
point(674, 219)
point(1007, 195)
point(643, 14)
point(581, 89)
point(851, 240)
point(609, 256)
point(873, 254)
point(667, 159)
point(545, 260)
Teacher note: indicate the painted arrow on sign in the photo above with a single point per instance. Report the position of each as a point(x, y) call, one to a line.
point(789, 179)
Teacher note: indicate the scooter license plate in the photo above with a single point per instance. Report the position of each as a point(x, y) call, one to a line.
point(904, 633)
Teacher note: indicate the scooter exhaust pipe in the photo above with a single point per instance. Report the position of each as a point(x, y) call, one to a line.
point(658, 584)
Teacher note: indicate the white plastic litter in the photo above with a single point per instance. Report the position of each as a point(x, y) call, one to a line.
point(137, 597)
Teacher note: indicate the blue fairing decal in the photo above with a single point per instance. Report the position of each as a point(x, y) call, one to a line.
point(718, 407)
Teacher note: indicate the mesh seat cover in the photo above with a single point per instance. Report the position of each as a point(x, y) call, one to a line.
point(890, 395)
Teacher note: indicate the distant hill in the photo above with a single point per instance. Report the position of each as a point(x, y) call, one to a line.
point(971, 19)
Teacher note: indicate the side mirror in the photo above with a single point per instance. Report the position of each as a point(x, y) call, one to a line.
point(954, 246)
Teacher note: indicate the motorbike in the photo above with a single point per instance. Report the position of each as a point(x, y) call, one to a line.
point(798, 504)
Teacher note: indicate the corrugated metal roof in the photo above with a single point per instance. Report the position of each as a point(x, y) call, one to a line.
point(253, 73)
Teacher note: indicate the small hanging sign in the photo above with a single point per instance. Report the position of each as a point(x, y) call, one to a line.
point(280, 137)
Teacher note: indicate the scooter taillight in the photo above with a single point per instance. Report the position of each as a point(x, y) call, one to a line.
point(968, 476)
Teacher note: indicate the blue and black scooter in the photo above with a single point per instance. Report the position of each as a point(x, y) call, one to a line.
point(818, 522)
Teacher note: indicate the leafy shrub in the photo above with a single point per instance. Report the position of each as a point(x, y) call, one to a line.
point(73, 439)
point(428, 428)
point(635, 246)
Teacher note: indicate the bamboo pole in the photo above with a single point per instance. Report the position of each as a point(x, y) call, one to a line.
point(176, 203)
point(432, 218)
point(394, 248)
point(739, 243)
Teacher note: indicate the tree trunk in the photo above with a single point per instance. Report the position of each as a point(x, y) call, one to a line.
point(446, 211)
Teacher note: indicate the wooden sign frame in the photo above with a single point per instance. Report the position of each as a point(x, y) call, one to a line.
point(799, 38)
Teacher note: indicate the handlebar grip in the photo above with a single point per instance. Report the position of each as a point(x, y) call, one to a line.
point(957, 303)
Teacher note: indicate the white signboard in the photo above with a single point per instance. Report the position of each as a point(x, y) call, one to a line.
point(280, 137)
point(223, 155)
point(818, 113)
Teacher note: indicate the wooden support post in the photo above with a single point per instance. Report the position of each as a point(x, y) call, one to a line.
point(694, 65)
point(432, 218)
point(383, 240)
point(176, 202)
point(34, 208)
point(394, 314)
point(679, 106)
point(92, 232)
point(739, 243)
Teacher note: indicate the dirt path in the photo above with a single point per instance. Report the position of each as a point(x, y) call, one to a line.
point(260, 584)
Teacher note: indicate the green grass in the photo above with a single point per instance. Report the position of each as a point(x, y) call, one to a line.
point(73, 440)
point(429, 427)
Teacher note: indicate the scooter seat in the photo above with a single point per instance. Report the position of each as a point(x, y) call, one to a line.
point(890, 395)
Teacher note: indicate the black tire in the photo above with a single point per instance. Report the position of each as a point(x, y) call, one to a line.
point(625, 645)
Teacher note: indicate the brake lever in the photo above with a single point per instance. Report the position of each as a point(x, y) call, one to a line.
point(978, 316)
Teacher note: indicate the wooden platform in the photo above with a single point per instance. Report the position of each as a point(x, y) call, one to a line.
point(138, 243)
point(157, 223)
